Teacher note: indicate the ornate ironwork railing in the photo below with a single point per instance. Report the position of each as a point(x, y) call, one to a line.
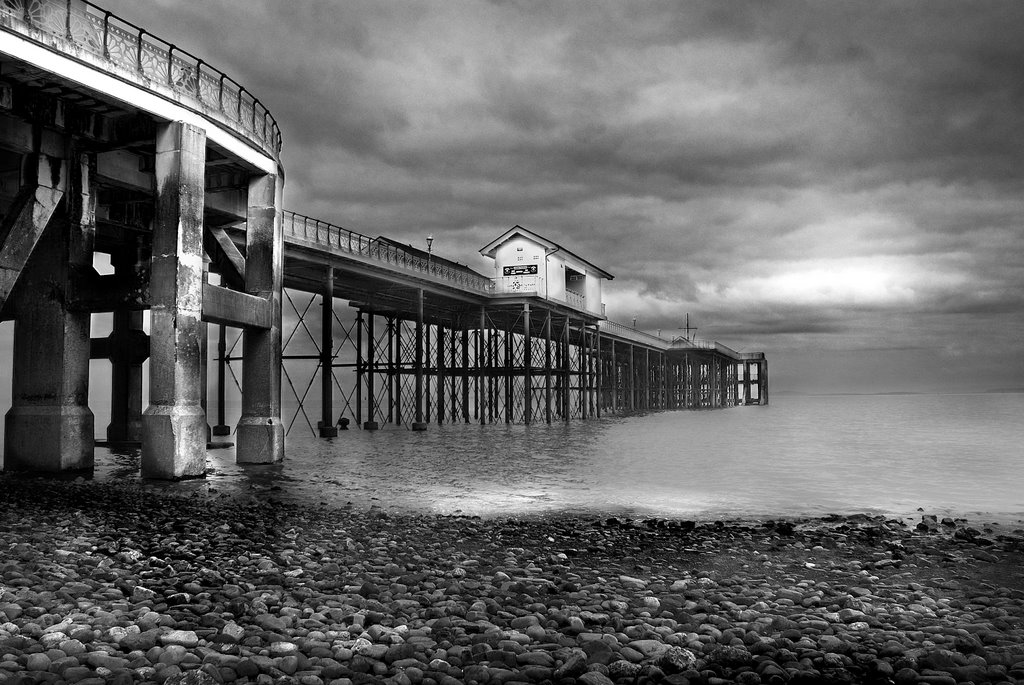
point(123, 44)
point(338, 238)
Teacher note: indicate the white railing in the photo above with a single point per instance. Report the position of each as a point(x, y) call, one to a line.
point(575, 300)
point(201, 87)
point(341, 239)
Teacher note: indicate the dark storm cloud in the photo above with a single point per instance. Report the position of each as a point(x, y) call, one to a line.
point(787, 167)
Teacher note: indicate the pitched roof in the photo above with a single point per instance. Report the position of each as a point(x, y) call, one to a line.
point(490, 248)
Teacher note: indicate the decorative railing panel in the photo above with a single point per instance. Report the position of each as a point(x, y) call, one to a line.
point(102, 34)
point(338, 238)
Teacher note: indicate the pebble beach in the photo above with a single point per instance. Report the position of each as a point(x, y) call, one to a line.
point(120, 582)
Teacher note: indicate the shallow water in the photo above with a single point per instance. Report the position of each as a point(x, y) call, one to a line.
point(947, 454)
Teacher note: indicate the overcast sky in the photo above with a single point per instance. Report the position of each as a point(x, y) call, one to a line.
point(840, 185)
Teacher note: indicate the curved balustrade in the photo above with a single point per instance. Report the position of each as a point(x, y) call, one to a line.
point(338, 238)
point(123, 44)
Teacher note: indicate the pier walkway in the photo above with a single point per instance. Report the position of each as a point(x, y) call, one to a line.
point(114, 142)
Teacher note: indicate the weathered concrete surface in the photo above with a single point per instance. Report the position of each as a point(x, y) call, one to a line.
point(260, 432)
point(45, 186)
point(174, 424)
point(49, 426)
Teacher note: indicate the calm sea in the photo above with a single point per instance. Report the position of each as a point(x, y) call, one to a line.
point(891, 454)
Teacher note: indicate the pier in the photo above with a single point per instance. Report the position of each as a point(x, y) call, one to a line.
point(116, 143)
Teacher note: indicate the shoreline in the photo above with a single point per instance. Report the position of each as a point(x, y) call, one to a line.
point(106, 581)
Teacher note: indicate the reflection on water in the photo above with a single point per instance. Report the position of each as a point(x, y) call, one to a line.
point(801, 455)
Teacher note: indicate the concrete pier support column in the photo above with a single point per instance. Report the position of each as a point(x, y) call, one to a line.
point(174, 424)
point(49, 426)
point(260, 432)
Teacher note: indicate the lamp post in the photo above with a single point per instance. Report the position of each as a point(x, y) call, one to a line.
point(430, 244)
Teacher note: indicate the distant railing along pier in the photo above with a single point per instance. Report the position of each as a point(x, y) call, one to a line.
point(337, 238)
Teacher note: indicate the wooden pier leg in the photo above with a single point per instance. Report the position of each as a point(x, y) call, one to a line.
point(418, 424)
point(400, 365)
point(567, 371)
point(632, 378)
point(547, 367)
point(427, 383)
point(371, 373)
point(174, 425)
point(390, 329)
point(598, 369)
point(509, 379)
point(441, 376)
point(585, 358)
point(614, 379)
point(481, 360)
point(492, 376)
point(359, 368)
point(527, 363)
point(465, 375)
point(328, 428)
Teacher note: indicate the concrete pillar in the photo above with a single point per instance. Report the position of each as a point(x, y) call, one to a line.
point(174, 424)
point(49, 426)
point(260, 432)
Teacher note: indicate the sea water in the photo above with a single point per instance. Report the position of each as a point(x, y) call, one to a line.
point(802, 455)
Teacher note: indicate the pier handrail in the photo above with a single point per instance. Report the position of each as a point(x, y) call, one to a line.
point(338, 238)
point(627, 333)
point(121, 43)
